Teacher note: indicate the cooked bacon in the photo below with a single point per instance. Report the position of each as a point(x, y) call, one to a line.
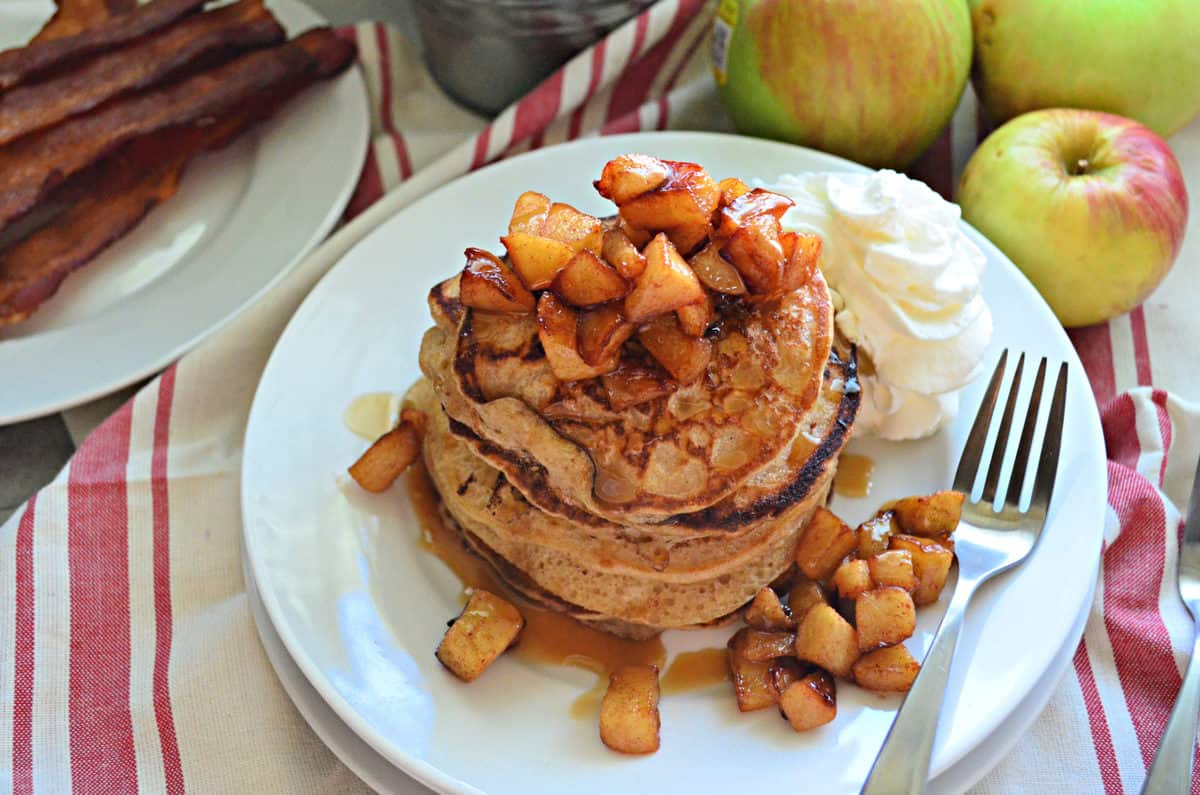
point(115, 196)
point(194, 40)
point(20, 64)
point(74, 16)
point(32, 166)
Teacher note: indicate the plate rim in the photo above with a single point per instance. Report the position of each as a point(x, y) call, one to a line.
point(427, 773)
point(352, 81)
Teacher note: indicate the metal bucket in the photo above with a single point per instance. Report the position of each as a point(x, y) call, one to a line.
point(489, 53)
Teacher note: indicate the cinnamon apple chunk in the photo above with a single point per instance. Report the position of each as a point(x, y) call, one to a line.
point(629, 719)
point(893, 568)
point(694, 319)
point(689, 237)
point(852, 578)
point(558, 331)
point(931, 564)
point(620, 252)
point(490, 285)
point(826, 639)
point(803, 252)
point(890, 669)
point(884, 617)
point(487, 626)
point(755, 250)
point(588, 280)
point(578, 230)
point(529, 213)
point(751, 680)
point(687, 198)
point(602, 331)
point(825, 541)
point(761, 646)
point(626, 177)
point(717, 273)
point(535, 258)
point(874, 533)
point(768, 613)
point(784, 671)
point(666, 284)
point(640, 237)
point(387, 458)
point(805, 594)
point(731, 188)
point(931, 515)
point(809, 702)
point(685, 357)
point(734, 215)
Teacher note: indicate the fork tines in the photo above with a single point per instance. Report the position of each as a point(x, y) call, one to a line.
point(969, 464)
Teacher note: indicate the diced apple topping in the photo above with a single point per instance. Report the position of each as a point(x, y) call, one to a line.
point(679, 240)
point(529, 213)
point(687, 197)
point(558, 331)
point(801, 261)
point(665, 285)
point(686, 358)
point(578, 230)
point(689, 237)
point(588, 280)
point(741, 209)
point(626, 177)
point(694, 319)
point(639, 236)
point(731, 188)
point(490, 285)
point(716, 273)
point(622, 254)
point(755, 250)
point(536, 259)
point(602, 332)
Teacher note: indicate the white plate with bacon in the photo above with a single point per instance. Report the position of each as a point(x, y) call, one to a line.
point(242, 217)
point(359, 603)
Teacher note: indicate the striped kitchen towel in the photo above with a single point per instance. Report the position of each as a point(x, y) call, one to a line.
point(128, 657)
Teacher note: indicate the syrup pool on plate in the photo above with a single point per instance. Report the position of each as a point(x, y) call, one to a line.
point(548, 638)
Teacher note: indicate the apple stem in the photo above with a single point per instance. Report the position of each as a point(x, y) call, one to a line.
point(1081, 166)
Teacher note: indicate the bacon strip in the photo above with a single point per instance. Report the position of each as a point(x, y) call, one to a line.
point(32, 166)
point(20, 64)
point(226, 31)
point(120, 191)
point(74, 16)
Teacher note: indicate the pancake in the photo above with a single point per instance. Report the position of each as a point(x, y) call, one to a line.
point(707, 566)
point(576, 452)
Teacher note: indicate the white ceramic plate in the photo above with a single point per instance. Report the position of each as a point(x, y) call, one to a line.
point(242, 218)
point(378, 773)
point(360, 608)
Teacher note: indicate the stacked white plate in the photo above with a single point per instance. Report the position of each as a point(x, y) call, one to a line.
point(351, 608)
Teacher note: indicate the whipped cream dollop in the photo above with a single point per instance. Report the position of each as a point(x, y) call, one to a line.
point(906, 283)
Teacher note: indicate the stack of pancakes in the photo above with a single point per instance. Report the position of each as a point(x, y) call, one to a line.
point(643, 508)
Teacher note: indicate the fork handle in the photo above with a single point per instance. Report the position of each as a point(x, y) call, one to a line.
point(1172, 769)
point(903, 763)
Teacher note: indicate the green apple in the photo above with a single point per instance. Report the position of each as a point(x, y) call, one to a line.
point(1091, 206)
point(872, 80)
point(1135, 58)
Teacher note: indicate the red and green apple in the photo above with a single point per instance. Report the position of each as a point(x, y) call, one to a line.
point(872, 80)
point(1135, 58)
point(1090, 206)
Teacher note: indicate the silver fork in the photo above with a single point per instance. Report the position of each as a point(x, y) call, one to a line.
point(987, 542)
point(1172, 768)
